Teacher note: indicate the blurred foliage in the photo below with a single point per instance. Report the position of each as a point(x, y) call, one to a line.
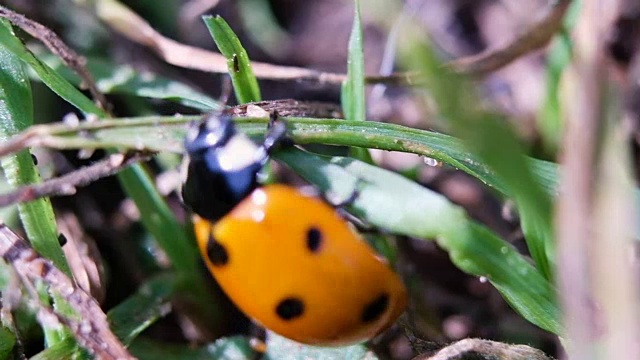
point(483, 144)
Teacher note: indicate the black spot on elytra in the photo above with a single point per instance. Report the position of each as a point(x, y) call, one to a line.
point(290, 308)
point(314, 239)
point(374, 309)
point(216, 252)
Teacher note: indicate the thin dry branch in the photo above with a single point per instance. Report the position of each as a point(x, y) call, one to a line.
point(129, 24)
point(67, 184)
point(485, 349)
point(90, 327)
point(51, 40)
point(534, 38)
point(290, 107)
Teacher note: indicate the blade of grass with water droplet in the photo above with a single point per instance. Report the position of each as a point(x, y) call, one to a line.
point(394, 203)
point(489, 136)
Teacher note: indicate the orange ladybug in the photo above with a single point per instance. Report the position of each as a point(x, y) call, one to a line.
point(285, 258)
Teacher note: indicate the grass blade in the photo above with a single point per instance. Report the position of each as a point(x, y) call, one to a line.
point(155, 213)
point(353, 89)
point(53, 80)
point(7, 341)
point(489, 136)
point(550, 124)
point(124, 80)
point(142, 309)
point(392, 202)
point(16, 114)
point(244, 81)
point(232, 348)
point(127, 320)
point(66, 349)
point(279, 347)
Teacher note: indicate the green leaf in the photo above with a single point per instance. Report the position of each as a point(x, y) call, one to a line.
point(127, 320)
point(390, 201)
point(489, 135)
point(142, 309)
point(244, 81)
point(550, 124)
point(160, 221)
point(232, 348)
point(125, 80)
point(155, 213)
point(279, 347)
point(162, 133)
point(65, 349)
point(51, 78)
point(353, 89)
point(16, 114)
point(7, 341)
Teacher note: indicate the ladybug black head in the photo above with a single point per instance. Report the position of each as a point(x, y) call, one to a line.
point(212, 132)
point(223, 167)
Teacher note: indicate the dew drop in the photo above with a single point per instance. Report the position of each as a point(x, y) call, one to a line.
point(504, 250)
point(431, 161)
point(483, 279)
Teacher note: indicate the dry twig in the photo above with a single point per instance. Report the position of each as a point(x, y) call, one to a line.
point(532, 39)
point(485, 349)
point(129, 24)
point(67, 184)
point(90, 327)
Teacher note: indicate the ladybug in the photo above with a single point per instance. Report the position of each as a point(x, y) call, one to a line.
point(286, 258)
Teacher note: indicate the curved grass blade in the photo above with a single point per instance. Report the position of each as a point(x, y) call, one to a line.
point(124, 80)
point(166, 133)
point(232, 348)
point(141, 310)
point(353, 88)
point(550, 122)
point(65, 349)
point(488, 135)
point(279, 347)
point(392, 202)
point(127, 320)
point(16, 114)
point(155, 213)
point(244, 81)
point(7, 341)
point(53, 80)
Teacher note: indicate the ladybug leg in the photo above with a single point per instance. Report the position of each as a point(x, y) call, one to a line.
point(361, 225)
point(257, 341)
point(277, 133)
point(276, 137)
point(350, 200)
